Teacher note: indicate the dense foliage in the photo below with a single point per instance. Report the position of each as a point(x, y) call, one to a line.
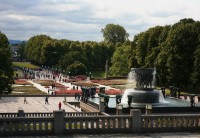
point(6, 70)
point(114, 33)
point(63, 54)
point(174, 50)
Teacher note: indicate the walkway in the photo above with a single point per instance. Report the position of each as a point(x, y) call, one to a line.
point(35, 104)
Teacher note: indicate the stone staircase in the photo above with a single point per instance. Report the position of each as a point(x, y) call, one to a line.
point(87, 107)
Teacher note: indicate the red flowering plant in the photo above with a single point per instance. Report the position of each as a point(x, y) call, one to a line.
point(70, 80)
point(109, 82)
point(113, 91)
point(44, 82)
point(70, 92)
point(22, 82)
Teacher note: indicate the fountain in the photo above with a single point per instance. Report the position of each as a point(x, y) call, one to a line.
point(142, 81)
point(140, 93)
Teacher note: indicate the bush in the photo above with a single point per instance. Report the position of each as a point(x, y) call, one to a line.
point(77, 68)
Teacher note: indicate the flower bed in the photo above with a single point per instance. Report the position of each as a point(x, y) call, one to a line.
point(22, 82)
point(27, 90)
point(44, 82)
point(113, 92)
point(109, 82)
point(84, 84)
point(68, 92)
point(69, 80)
point(60, 86)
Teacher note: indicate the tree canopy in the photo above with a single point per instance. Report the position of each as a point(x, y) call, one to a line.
point(114, 33)
point(173, 50)
point(6, 70)
point(43, 50)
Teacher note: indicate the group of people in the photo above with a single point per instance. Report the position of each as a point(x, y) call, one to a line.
point(46, 102)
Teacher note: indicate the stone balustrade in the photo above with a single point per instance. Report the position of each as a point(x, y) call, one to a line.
point(60, 123)
point(26, 126)
point(176, 122)
point(47, 114)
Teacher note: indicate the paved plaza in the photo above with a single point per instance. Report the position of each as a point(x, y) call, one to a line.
point(35, 104)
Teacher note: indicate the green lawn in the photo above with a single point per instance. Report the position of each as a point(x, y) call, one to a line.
point(167, 91)
point(25, 64)
point(98, 73)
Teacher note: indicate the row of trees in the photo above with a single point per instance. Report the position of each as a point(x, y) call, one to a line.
point(6, 70)
point(173, 50)
point(74, 56)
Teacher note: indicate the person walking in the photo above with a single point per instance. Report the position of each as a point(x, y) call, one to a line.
point(25, 102)
point(59, 105)
point(46, 100)
point(78, 97)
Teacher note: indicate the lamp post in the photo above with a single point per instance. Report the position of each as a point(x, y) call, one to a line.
point(68, 75)
point(90, 74)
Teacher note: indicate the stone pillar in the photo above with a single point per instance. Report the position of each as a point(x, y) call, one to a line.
point(119, 109)
point(59, 122)
point(21, 113)
point(136, 120)
point(101, 104)
point(148, 109)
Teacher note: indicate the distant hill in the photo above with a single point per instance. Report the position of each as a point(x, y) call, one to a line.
point(15, 42)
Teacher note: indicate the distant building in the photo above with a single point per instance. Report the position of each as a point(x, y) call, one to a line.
point(14, 45)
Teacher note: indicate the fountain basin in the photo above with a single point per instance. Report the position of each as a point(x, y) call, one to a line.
point(143, 96)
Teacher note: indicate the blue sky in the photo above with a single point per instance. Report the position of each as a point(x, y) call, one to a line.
point(83, 19)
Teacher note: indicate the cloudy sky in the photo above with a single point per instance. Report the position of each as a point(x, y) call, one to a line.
point(83, 19)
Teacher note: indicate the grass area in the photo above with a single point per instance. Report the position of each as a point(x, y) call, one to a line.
point(20, 74)
point(25, 64)
point(98, 73)
point(26, 90)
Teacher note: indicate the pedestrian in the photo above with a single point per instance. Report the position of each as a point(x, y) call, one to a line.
point(59, 105)
point(25, 102)
point(75, 95)
point(17, 75)
point(46, 100)
point(52, 86)
point(192, 101)
point(78, 97)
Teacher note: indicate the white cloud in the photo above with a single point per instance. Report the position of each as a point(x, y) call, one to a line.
point(83, 19)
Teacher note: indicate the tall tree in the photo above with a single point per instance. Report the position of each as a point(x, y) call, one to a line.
point(114, 33)
point(196, 68)
point(6, 69)
point(121, 63)
point(181, 44)
point(34, 48)
point(21, 51)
